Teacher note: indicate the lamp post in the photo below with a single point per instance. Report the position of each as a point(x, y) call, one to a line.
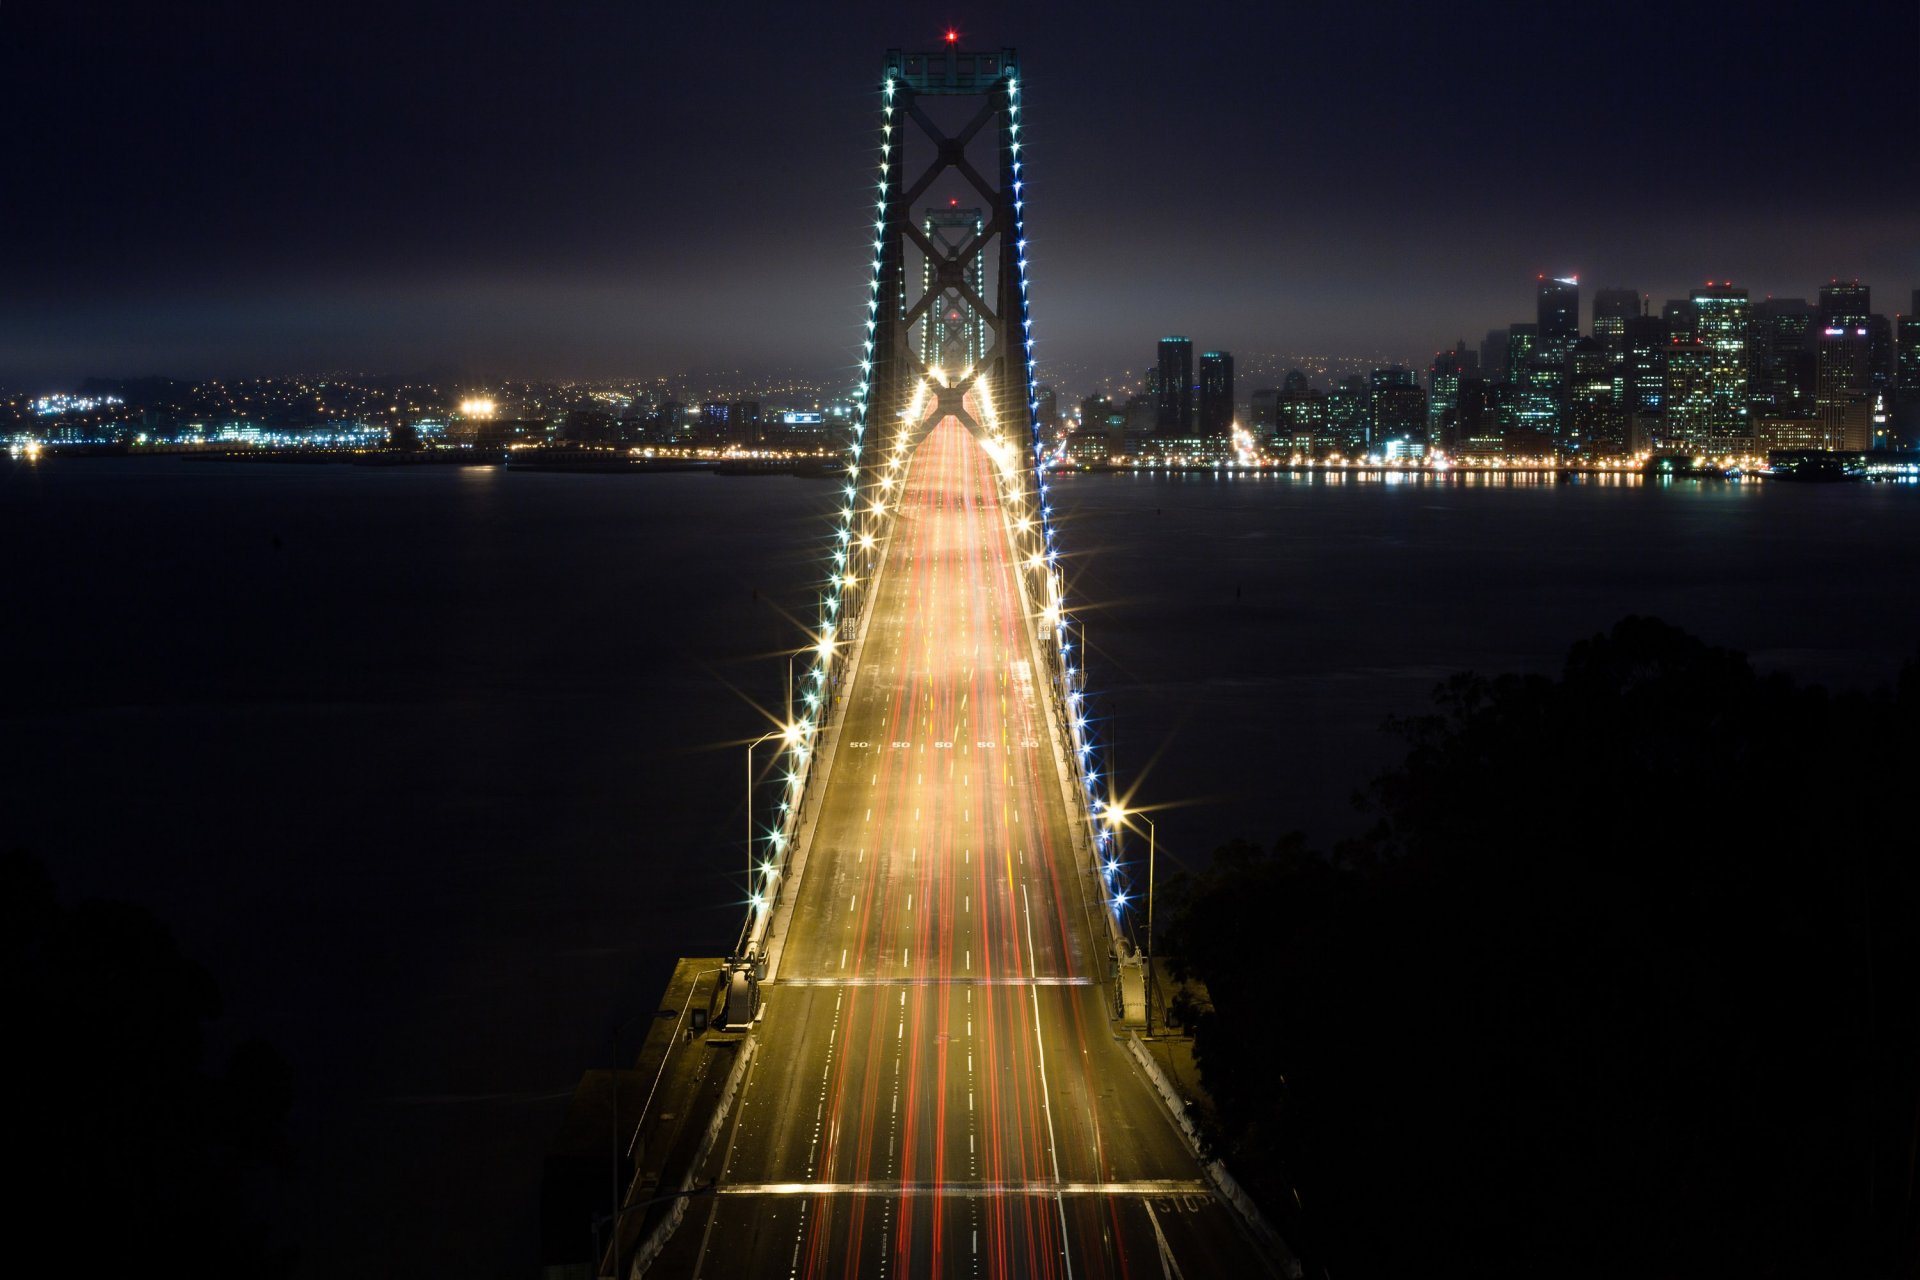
point(791, 659)
point(790, 733)
point(1115, 816)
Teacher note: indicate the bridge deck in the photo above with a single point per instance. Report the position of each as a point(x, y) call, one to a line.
point(939, 1088)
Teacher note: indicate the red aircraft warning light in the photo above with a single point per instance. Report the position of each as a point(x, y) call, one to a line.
point(953, 37)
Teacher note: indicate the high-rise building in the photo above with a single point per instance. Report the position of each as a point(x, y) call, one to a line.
point(1720, 327)
point(1558, 305)
point(1780, 369)
point(1535, 373)
point(1398, 412)
point(1906, 378)
point(1689, 411)
point(1589, 424)
point(1047, 408)
point(733, 423)
point(1842, 400)
point(1493, 356)
point(1263, 413)
point(1443, 385)
point(1345, 431)
point(1845, 304)
point(1880, 358)
point(1216, 394)
point(1173, 388)
point(1301, 412)
point(1143, 415)
point(1643, 366)
point(1523, 340)
point(1379, 382)
point(1612, 308)
point(1475, 430)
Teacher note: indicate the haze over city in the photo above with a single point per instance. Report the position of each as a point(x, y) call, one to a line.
point(589, 191)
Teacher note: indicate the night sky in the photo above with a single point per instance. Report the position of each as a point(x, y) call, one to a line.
point(498, 189)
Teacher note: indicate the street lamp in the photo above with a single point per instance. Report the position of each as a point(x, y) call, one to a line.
point(789, 733)
point(1115, 816)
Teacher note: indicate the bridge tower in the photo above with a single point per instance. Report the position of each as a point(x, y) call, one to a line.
point(950, 129)
point(948, 332)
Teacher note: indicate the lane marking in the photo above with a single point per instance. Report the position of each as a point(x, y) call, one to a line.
point(887, 1187)
point(1168, 1267)
point(1046, 1099)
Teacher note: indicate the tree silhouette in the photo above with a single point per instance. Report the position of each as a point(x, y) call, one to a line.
point(1624, 979)
point(128, 1152)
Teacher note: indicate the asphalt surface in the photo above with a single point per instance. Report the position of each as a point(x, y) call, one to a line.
point(939, 1087)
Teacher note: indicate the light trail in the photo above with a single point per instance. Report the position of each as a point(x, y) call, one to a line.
point(949, 1097)
point(965, 1190)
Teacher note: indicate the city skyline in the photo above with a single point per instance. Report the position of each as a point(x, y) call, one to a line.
point(582, 201)
point(1600, 374)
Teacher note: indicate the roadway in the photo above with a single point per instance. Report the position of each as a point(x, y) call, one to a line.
point(938, 1087)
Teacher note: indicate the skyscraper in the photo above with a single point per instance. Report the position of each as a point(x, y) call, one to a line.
point(1720, 327)
point(1173, 394)
point(1396, 410)
point(1643, 369)
point(1443, 385)
point(1263, 413)
point(1678, 313)
point(1590, 423)
point(1557, 302)
point(1845, 304)
point(1612, 308)
point(1689, 392)
point(1216, 395)
point(1841, 398)
point(1345, 431)
point(1558, 305)
point(1906, 378)
point(1535, 374)
point(1302, 413)
point(1493, 356)
point(1780, 371)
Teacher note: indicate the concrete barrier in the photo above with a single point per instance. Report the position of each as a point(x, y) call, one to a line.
point(1223, 1181)
point(663, 1231)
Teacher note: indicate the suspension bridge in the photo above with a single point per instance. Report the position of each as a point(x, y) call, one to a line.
point(934, 973)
